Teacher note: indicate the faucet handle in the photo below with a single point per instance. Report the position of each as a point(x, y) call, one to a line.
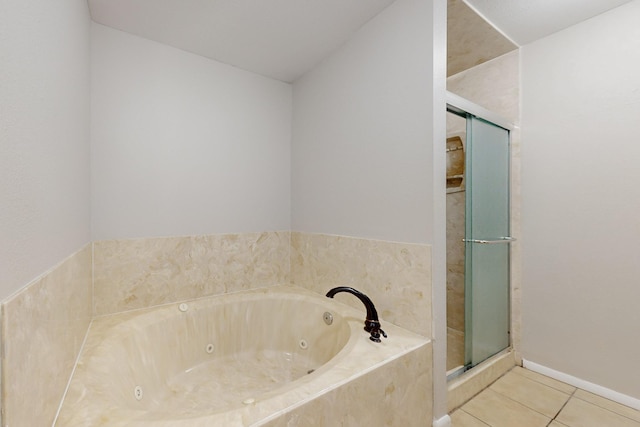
point(375, 335)
point(375, 330)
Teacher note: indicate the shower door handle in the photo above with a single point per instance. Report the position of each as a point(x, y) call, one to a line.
point(491, 241)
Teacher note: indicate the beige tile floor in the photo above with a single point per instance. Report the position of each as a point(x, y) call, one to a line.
point(523, 398)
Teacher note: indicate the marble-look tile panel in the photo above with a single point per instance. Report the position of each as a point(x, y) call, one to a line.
point(455, 260)
point(494, 85)
point(456, 230)
point(471, 40)
point(455, 349)
point(139, 273)
point(396, 276)
point(455, 301)
point(43, 330)
point(398, 393)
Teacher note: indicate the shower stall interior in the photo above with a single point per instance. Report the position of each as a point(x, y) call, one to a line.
point(478, 235)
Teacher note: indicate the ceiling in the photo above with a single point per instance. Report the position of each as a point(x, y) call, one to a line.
point(283, 39)
point(525, 21)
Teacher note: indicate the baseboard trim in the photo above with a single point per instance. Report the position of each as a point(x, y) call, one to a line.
point(607, 393)
point(442, 422)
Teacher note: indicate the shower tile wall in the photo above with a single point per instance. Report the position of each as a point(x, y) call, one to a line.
point(43, 327)
point(494, 85)
point(396, 276)
point(456, 126)
point(455, 279)
point(138, 273)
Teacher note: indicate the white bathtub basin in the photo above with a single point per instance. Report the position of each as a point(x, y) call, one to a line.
point(233, 360)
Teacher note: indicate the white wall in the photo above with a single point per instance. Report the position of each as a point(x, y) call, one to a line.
point(184, 145)
point(44, 136)
point(581, 198)
point(362, 132)
point(363, 159)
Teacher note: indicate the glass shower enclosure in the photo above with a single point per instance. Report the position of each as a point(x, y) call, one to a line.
point(487, 236)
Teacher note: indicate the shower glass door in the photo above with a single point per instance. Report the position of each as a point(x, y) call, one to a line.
point(486, 241)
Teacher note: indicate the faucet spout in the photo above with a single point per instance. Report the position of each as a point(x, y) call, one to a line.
point(371, 323)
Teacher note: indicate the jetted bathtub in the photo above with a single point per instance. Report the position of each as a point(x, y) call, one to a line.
point(279, 356)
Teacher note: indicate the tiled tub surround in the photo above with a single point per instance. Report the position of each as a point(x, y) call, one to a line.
point(138, 273)
point(267, 358)
point(396, 276)
point(44, 324)
point(43, 327)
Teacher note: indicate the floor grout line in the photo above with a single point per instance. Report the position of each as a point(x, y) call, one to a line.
point(527, 406)
point(607, 409)
point(563, 405)
point(521, 404)
point(471, 415)
point(550, 386)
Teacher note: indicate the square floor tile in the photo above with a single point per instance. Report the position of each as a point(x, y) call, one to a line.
point(543, 379)
point(579, 413)
point(608, 404)
point(462, 419)
point(498, 410)
point(537, 396)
